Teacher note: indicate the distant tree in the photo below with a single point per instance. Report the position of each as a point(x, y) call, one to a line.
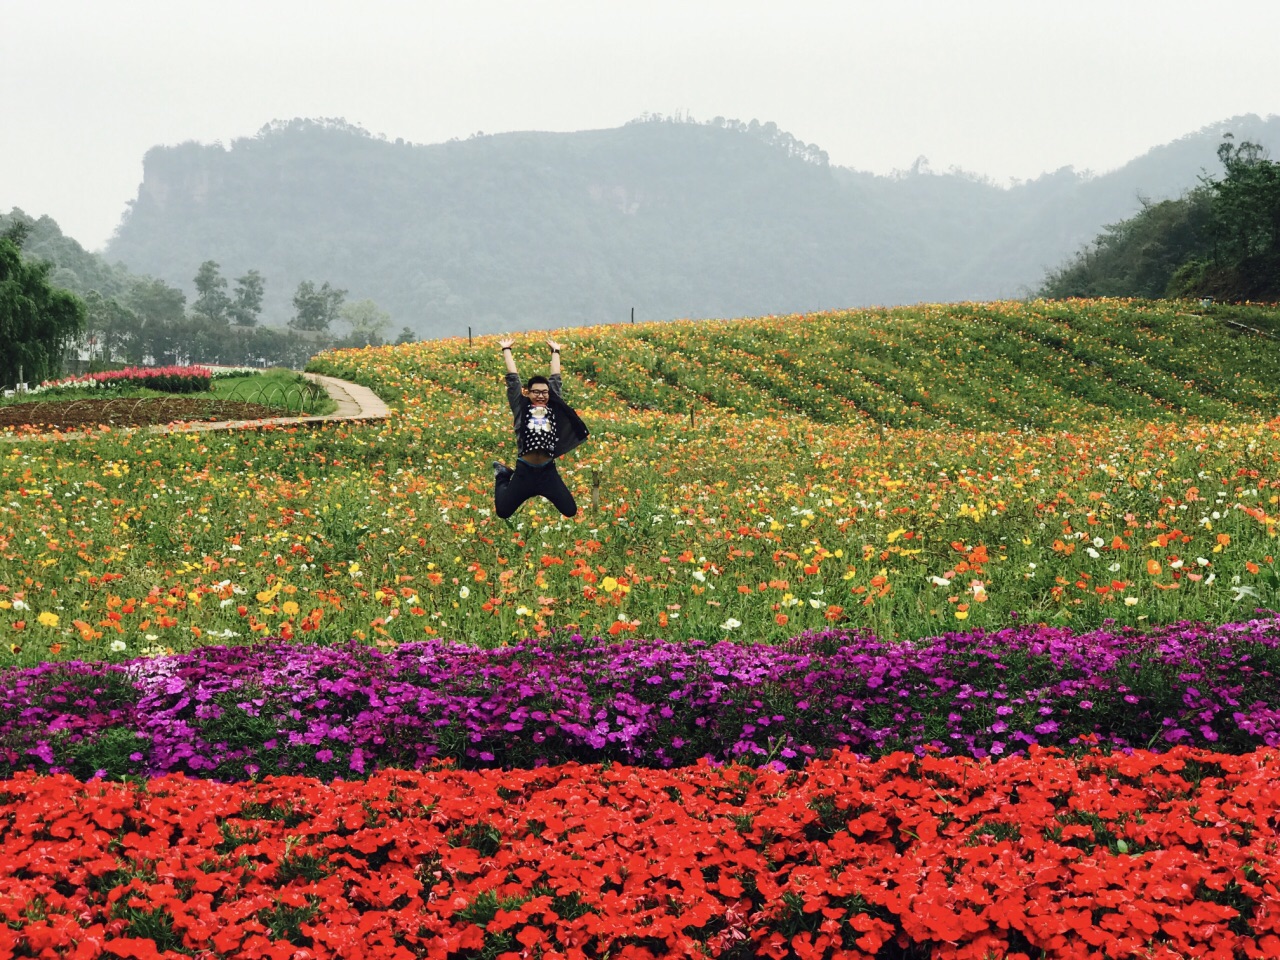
point(316, 308)
point(211, 301)
point(155, 302)
point(112, 330)
point(160, 311)
point(285, 348)
point(247, 302)
point(367, 322)
point(1247, 211)
point(406, 336)
point(37, 321)
point(17, 231)
point(1242, 259)
point(75, 269)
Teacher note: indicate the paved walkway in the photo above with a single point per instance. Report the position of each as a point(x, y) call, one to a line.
point(355, 403)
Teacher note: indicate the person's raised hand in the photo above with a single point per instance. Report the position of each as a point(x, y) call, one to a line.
point(507, 343)
point(553, 344)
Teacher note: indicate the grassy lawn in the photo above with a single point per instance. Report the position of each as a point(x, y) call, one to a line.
point(278, 388)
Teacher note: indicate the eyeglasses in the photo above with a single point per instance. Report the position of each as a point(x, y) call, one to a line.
point(539, 393)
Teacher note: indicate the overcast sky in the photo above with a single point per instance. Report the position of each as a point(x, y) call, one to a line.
point(1007, 89)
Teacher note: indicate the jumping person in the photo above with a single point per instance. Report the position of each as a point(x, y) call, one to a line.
point(546, 427)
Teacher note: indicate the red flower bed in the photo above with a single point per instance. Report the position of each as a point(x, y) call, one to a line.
point(172, 379)
point(1149, 855)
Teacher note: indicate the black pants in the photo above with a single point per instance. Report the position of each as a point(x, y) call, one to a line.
point(529, 481)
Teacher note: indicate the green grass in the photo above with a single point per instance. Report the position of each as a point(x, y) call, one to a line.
point(277, 388)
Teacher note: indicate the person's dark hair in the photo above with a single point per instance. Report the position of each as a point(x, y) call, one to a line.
point(539, 378)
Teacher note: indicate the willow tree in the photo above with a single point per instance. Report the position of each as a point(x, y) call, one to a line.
point(37, 320)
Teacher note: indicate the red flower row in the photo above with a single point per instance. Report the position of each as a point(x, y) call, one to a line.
point(1150, 855)
point(146, 376)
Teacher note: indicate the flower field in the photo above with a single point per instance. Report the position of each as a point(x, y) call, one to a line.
point(1148, 855)
point(232, 713)
point(1067, 498)
point(942, 631)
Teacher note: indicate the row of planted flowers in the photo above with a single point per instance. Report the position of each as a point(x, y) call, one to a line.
point(1141, 855)
point(171, 379)
point(276, 708)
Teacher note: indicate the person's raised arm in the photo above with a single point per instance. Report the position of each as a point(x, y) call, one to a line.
point(555, 363)
point(508, 356)
point(514, 392)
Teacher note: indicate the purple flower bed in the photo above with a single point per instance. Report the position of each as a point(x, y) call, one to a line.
point(236, 712)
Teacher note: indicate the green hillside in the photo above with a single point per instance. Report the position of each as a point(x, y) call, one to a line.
point(74, 268)
point(1220, 241)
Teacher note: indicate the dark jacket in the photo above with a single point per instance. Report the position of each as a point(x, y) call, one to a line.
point(570, 430)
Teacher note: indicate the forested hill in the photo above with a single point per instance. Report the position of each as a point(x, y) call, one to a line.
point(526, 230)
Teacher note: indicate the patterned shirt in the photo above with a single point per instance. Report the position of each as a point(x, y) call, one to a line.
point(539, 432)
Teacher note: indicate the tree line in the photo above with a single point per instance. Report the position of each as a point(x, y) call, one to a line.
point(1218, 240)
point(62, 307)
point(221, 325)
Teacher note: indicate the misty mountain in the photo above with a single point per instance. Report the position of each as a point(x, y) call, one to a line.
point(675, 218)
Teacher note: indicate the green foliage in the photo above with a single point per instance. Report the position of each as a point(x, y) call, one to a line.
point(284, 390)
point(367, 322)
point(284, 922)
point(110, 754)
point(212, 301)
point(155, 927)
point(1141, 256)
point(1220, 240)
point(38, 321)
point(316, 308)
point(132, 320)
point(1247, 211)
point(155, 302)
point(17, 231)
point(74, 268)
point(111, 329)
point(247, 304)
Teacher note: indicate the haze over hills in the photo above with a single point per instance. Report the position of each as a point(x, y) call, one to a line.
point(678, 219)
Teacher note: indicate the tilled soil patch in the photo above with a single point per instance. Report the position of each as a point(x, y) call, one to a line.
point(128, 412)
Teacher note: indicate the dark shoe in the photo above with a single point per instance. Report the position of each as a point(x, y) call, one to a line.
point(500, 470)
